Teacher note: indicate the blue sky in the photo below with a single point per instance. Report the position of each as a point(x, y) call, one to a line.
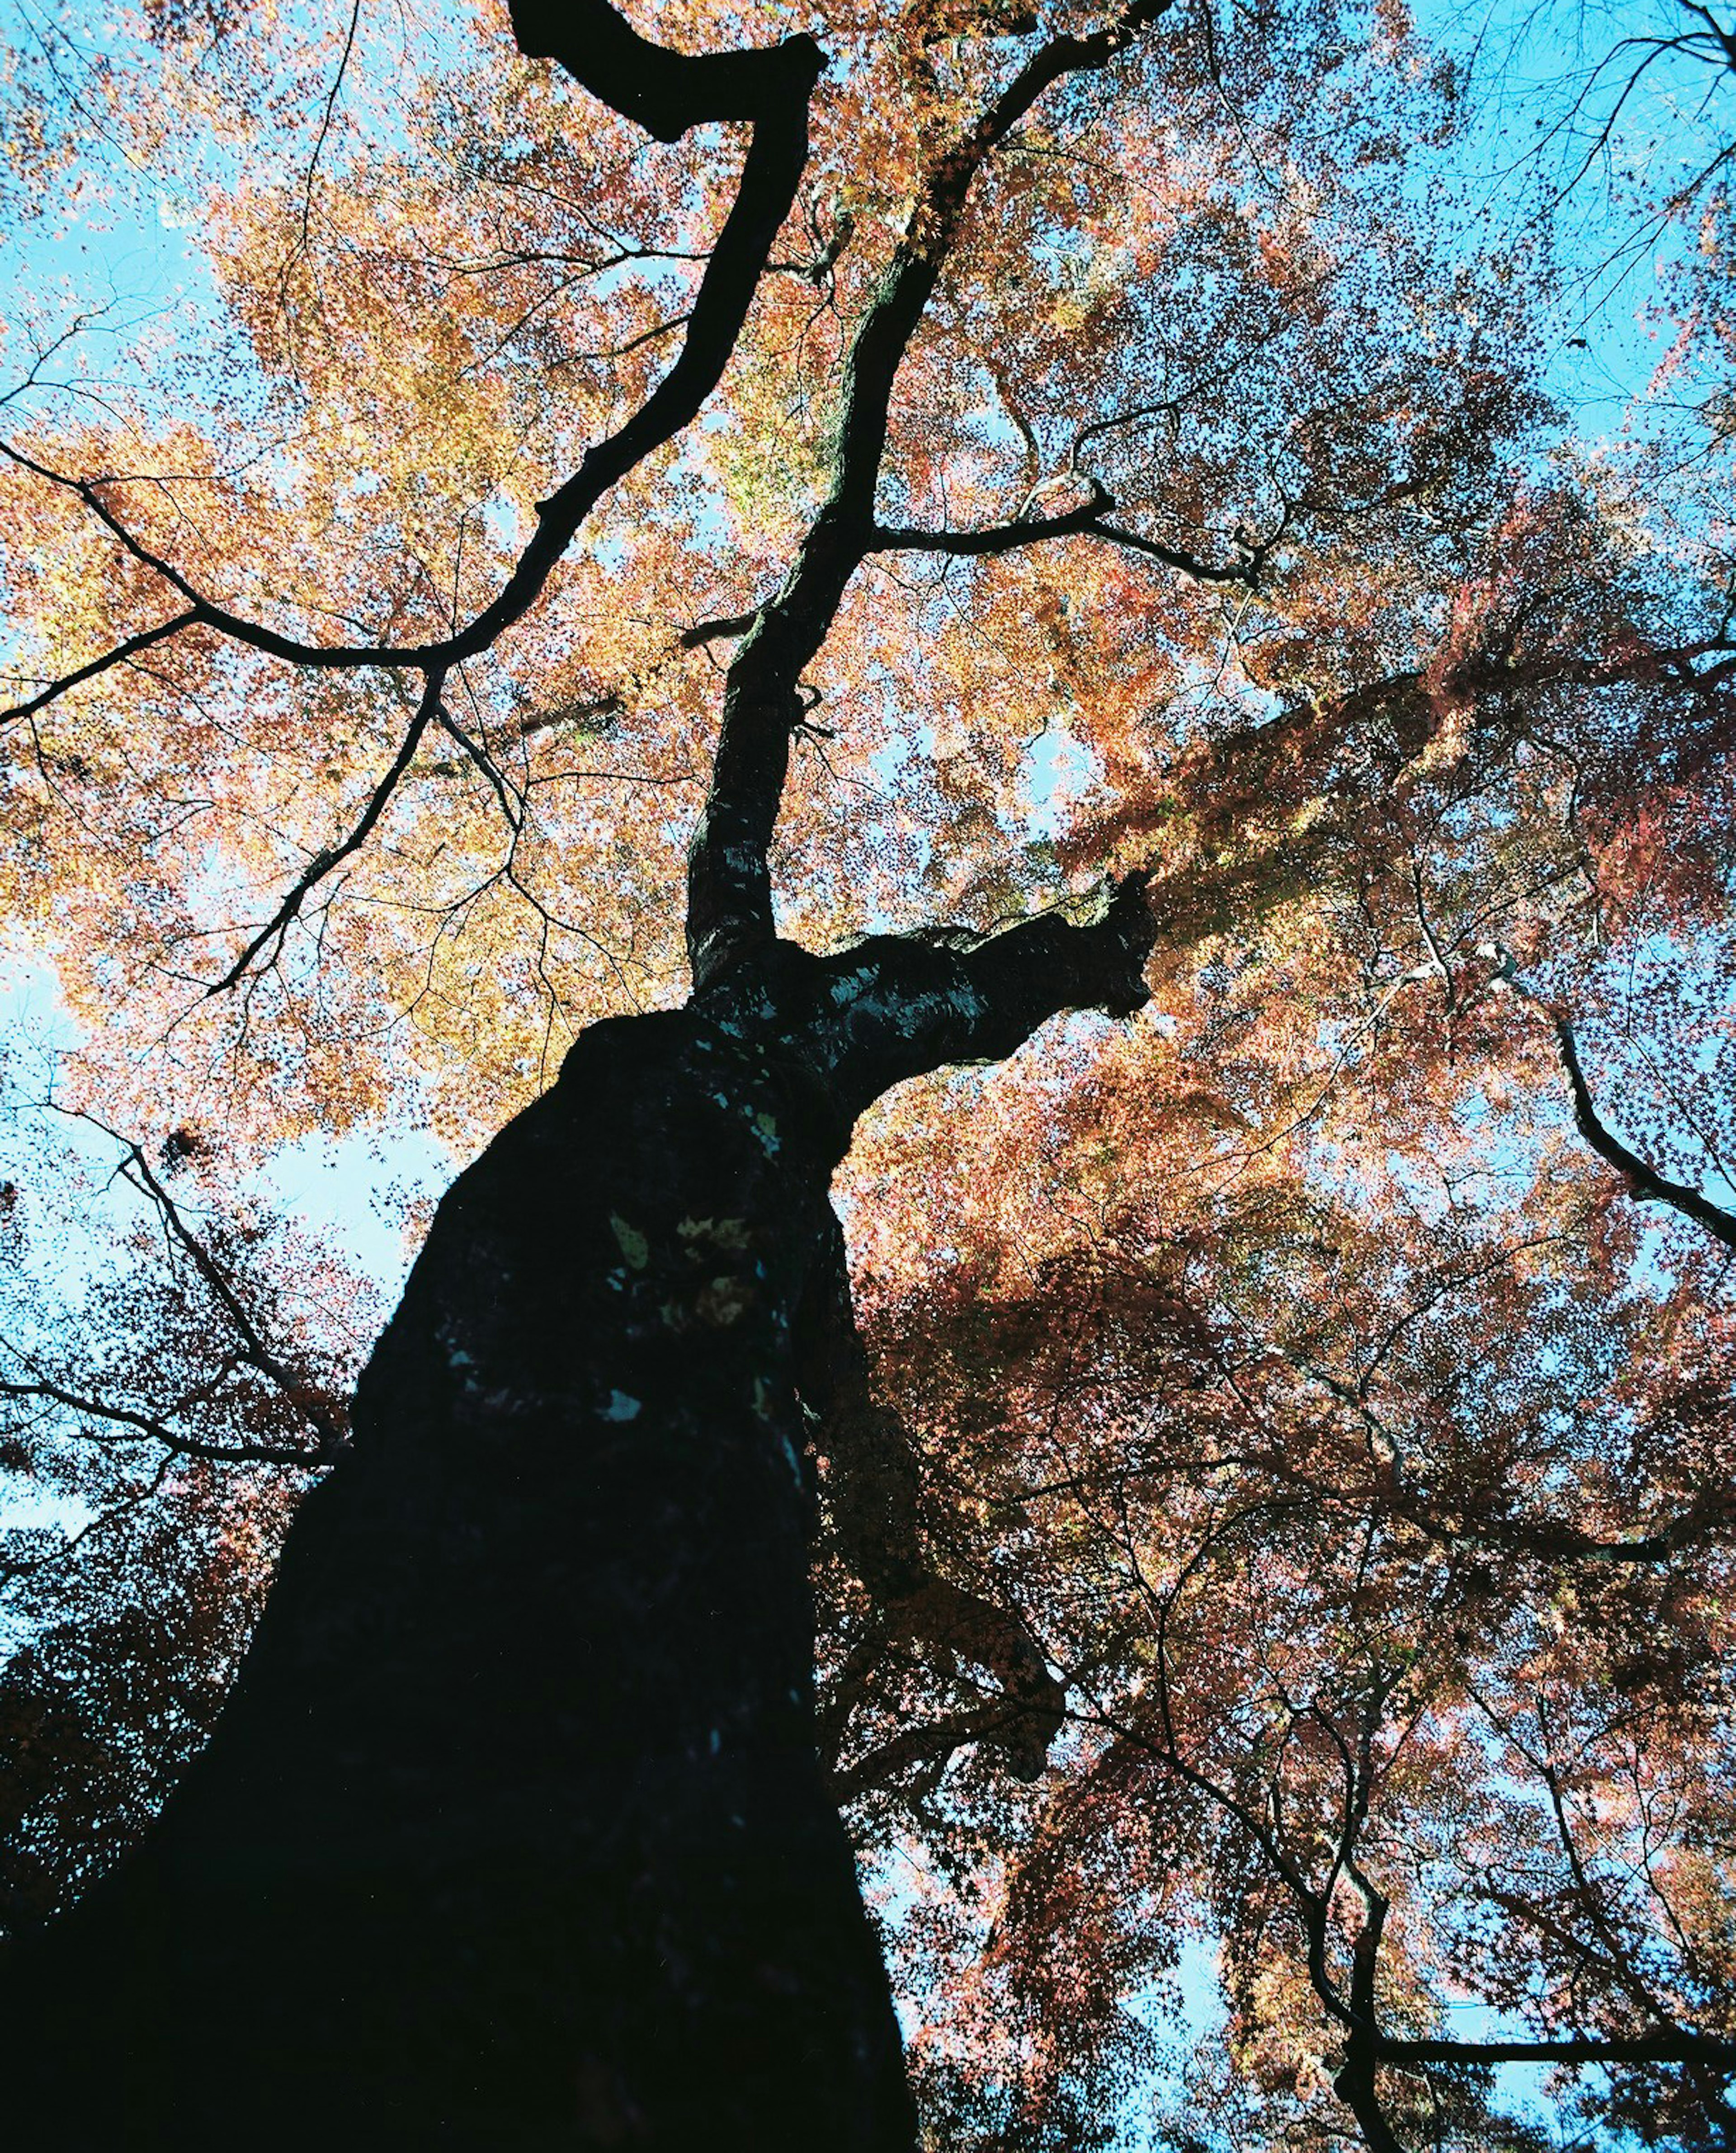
point(127, 260)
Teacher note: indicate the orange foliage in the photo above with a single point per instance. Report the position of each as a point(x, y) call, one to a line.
point(1352, 1438)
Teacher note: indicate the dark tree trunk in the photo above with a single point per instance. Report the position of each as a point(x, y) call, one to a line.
point(513, 1832)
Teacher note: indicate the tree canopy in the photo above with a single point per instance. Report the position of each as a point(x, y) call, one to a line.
point(1276, 1656)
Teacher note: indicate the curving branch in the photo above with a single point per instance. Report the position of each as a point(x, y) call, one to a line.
point(897, 1005)
point(667, 92)
point(1087, 520)
point(729, 886)
point(1645, 1183)
point(877, 1506)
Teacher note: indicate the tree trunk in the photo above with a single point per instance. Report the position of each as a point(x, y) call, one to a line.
point(513, 1832)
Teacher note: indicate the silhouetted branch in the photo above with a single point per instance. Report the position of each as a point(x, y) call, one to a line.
point(1646, 1183)
point(119, 656)
point(1087, 520)
point(696, 637)
point(932, 1742)
point(136, 1426)
point(321, 863)
point(728, 890)
point(1669, 2046)
point(878, 1507)
point(667, 92)
point(256, 1350)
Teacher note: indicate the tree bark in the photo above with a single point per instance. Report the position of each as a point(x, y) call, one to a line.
point(513, 1832)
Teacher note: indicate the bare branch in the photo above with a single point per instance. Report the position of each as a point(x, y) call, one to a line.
point(325, 120)
point(333, 1432)
point(1670, 2046)
point(143, 1427)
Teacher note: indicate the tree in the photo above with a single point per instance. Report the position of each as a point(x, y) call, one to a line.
point(1038, 471)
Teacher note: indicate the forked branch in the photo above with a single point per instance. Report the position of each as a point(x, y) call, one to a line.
point(271, 935)
point(667, 92)
point(728, 890)
point(1089, 520)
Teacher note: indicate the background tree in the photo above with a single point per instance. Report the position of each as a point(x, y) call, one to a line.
point(1078, 477)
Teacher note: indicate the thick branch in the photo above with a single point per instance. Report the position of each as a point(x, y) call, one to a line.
point(667, 92)
point(995, 538)
point(1086, 521)
point(879, 1511)
point(1355, 2084)
point(897, 1005)
point(1556, 1539)
point(729, 904)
